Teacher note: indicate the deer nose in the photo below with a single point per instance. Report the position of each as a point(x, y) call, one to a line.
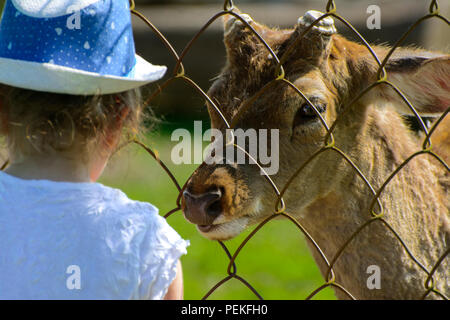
point(202, 209)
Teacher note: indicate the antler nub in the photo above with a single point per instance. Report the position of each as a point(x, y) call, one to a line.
point(325, 26)
point(233, 21)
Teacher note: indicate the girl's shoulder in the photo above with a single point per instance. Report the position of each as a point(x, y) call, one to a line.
point(90, 207)
point(136, 214)
point(160, 246)
point(93, 196)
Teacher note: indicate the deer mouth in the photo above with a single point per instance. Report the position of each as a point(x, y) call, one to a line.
point(205, 228)
point(226, 227)
point(224, 230)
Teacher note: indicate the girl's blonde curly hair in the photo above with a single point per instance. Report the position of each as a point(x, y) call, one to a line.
point(45, 122)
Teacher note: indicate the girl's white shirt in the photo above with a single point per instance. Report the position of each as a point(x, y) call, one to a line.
point(63, 240)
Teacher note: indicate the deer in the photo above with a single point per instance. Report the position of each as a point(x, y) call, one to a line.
point(328, 196)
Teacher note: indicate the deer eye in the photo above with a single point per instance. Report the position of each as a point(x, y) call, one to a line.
point(307, 114)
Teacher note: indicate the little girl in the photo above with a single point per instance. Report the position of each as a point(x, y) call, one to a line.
point(69, 79)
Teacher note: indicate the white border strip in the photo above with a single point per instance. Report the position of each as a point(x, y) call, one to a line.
point(50, 8)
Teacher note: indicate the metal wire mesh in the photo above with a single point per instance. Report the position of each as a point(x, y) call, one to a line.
point(375, 215)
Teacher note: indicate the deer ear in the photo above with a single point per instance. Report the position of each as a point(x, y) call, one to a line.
point(424, 79)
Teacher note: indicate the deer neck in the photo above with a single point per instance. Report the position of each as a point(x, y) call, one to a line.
point(344, 205)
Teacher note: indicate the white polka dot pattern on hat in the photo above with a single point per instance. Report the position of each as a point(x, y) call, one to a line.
point(94, 47)
point(50, 9)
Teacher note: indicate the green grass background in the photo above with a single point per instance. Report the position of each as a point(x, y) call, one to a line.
point(276, 261)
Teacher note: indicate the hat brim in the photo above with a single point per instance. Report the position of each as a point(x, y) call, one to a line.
point(59, 79)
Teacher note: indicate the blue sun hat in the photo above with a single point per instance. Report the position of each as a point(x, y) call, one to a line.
point(79, 47)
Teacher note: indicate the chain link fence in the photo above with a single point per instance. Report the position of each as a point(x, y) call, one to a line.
point(376, 212)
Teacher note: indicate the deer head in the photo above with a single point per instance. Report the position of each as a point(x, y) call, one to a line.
point(223, 199)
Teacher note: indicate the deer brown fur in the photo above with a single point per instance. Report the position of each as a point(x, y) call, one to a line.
point(328, 197)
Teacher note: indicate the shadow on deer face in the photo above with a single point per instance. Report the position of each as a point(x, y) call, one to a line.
point(223, 199)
